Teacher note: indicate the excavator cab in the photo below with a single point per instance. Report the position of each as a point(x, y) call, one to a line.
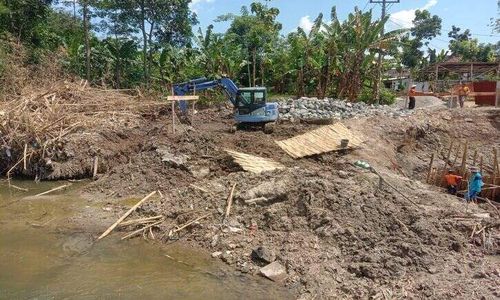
point(252, 108)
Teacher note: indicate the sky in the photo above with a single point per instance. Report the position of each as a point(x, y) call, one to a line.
point(466, 14)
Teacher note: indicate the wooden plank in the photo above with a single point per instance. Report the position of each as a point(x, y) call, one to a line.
point(182, 98)
point(321, 140)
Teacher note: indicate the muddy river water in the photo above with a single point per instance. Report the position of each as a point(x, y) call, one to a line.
point(44, 254)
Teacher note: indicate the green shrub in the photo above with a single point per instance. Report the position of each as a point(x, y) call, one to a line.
point(387, 96)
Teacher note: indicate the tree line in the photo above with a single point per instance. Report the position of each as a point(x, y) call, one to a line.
point(151, 44)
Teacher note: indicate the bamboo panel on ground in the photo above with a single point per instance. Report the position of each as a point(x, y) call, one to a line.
point(321, 140)
point(252, 163)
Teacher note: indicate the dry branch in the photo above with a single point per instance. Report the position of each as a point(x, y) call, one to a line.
point(53, 190)
point(105, 233)
point(229, 202)
point(187, 224)
point(141, 230)
point(140, 221)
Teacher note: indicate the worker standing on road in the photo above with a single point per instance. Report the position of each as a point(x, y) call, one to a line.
point(463, 92)
point(475, 185)
point(411, 94)
point(452, 182)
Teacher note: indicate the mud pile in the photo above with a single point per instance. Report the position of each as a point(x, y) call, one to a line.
point(333, 230)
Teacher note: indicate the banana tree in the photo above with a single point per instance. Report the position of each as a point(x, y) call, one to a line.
point(122, 54)
point(354, 44)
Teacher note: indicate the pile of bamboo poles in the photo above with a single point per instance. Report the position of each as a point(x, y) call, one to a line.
point(458, 158)
point(34, 125)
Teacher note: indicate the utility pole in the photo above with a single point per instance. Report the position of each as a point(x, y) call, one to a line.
point(380, 55)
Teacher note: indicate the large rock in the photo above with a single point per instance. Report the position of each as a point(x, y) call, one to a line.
point(263, 254)
point(274, 271)
point(177, 161)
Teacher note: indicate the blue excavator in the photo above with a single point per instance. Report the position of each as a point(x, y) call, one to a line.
point(251, 108)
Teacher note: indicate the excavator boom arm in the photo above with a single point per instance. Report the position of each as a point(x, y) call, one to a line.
point(201, 84)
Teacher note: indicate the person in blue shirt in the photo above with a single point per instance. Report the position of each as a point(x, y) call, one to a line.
point(475, 185)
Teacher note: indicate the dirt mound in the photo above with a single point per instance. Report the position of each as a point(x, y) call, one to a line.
point(333, 230)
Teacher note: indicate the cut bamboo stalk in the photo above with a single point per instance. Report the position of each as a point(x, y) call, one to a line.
point(199, 188)
point(447, 161)
point(173, 117)
point(464, 158)
point(96, 164)
point(430, 168)
point(481, 164)
point(449, 152)
point(173, 112)
point(53, 190)
point(139, 221)
point(18, 188)
point(495, 171)
point(456, 157)
point(229, 201)
point(105, 233)
point(188, 223)
point(24, 156)
point(475, 158)
point(141, 230)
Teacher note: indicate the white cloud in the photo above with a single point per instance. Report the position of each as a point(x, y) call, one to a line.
point(430, 4)
point(195, 4)
point(306, 23)
point(404, 18)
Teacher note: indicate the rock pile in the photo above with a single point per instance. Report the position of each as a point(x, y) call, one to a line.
point(314, 108)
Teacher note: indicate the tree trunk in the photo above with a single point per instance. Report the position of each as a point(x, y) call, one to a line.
point(254, 58)
point(301, 82)
point(144, 45)
point(117, 73)
point(87, 41)
point(249, 74)
point(326, 75)
point(150, 50)
point(262, 83)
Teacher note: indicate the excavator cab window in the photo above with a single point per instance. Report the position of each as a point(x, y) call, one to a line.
point(245, 98)
point(251, 97)
point(259, 97)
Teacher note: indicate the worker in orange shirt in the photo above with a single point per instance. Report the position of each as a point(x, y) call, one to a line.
point(463, 92)
point(452, 182)
point(412, 93)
